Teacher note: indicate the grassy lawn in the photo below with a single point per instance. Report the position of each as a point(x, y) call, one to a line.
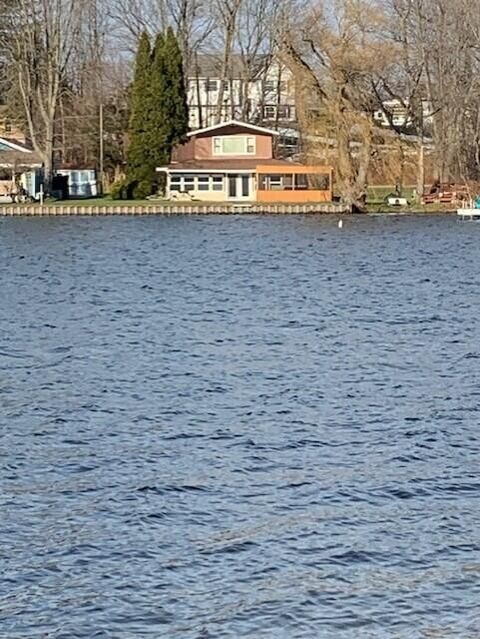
point(98, 201)
point(376, 201)
point(106, 201)
point(378, 194)
point(381, 207)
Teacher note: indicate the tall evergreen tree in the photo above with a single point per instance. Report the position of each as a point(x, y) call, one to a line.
point(159, 123)
point(175, 103)
point(140, 167)
point(158, 110)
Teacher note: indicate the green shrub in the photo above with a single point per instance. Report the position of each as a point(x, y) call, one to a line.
point(142, 189)
point(118, 190)
point(126, 189)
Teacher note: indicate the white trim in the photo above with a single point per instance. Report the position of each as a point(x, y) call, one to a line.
point(15, 147)
point(212, 170)
point(244, 125)
point(25, 167)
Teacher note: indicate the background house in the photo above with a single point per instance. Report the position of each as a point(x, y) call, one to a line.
point(398, 113)
point(259, 90)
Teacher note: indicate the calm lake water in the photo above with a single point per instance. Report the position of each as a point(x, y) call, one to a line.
point(232, 427)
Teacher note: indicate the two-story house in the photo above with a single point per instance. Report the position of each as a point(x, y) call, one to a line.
point(260, 91)
point(233, 161)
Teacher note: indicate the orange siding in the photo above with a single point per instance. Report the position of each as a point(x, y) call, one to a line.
point(291, 195)
point(294, 196)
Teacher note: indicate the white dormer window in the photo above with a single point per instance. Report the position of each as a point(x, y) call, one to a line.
point(234, 145)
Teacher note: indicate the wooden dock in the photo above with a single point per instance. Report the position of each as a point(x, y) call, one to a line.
point(255, 208)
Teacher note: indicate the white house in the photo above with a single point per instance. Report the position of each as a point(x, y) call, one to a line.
point(266, 98)
point(397, 113)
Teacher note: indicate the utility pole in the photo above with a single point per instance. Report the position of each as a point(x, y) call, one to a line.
point(101, 148)
point(421, 159)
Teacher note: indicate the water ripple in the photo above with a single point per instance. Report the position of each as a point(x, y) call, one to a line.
point(239, 427)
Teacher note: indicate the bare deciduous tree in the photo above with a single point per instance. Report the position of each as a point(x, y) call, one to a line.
point(192, 20)
point(441, 55)
point(334, 63)
point(227, 12)
point(39, 47)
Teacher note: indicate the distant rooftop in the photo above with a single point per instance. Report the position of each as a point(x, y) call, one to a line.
point(233, 123)
point(209, 64)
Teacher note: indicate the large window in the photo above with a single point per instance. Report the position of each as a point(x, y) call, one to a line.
point(217, 182)
point(196, 182)
point(275, 182)
point(294, 181)
point(234, 145)
point(182, 182)
point(203, 183)
point(189, 182)
point(175, 183)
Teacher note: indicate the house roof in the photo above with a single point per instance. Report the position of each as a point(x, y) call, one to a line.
point(15, 154)
point(11, 159)
point(243, 125)
point(222, 166)
point(209, 65)
point(7, 144)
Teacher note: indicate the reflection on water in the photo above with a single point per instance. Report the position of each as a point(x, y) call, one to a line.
point(239, 427)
